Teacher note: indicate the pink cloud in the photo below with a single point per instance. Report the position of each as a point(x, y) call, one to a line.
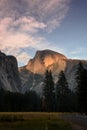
point(48, 10)
point(21, 21)
point(29, 24)
point(11, 41)
point(42, 11)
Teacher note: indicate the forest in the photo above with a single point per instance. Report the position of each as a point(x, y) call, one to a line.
point(57, 98)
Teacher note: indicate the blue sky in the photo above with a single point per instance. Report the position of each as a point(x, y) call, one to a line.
point(30, 25)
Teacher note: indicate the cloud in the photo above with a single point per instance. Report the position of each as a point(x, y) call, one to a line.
point(51, 12)
point(46, 11)
point(13, 40)
point(23, 57)
point(28, 24)
point(79, 50)
point(21, 23)
point(77, 53)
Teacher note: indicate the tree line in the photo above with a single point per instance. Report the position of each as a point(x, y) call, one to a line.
point(55, 98)
point(18, 102)
point(60, 97)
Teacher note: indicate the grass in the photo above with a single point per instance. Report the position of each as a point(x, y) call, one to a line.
point(32, 121)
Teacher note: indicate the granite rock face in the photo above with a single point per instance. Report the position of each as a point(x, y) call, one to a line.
point(9, 75)
point(46, 59)
point(32, 75)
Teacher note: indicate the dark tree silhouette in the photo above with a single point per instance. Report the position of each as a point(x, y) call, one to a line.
point(81, 79)
point(63, 94)
point(29, 101)
point(48, 92)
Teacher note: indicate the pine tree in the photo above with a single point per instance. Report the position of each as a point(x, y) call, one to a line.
point(81, 79)
point(79, 75)
point(48, 91)
point(62, 93)
point(84, 94)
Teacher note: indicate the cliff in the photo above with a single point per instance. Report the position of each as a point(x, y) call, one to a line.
point(32, 74)
point(9, 75)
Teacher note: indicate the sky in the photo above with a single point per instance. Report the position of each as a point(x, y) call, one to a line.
point(30, 25)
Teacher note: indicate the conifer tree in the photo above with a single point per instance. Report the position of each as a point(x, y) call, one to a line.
point(62, 93)
point(48, 91)
point(81, 79)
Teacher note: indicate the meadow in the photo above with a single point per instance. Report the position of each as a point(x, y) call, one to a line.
point(32, 121)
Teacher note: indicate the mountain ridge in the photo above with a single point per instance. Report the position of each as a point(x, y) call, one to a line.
point(31, 76)
point(42, 60)
point(48, 60)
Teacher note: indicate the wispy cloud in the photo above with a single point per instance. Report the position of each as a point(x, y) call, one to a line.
point(79, 50)
point(77, 53)
point(23, 57)
point(21, 22)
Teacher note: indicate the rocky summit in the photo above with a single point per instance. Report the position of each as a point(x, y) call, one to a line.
point(32, 75)
point(9, 75)
point(45, 60)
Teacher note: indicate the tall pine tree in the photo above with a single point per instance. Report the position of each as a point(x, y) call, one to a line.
point(48, 92)
point(81, 79)
point(63, 94)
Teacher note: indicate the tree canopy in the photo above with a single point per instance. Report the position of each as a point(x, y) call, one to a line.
point(48, 91)
point(81, 79)
point(62, 93)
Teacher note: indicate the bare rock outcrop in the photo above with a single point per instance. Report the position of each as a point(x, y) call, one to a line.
point(32, 74)
point(46, 59)
point(9, 75)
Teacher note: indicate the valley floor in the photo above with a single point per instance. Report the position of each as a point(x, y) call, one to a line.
point(42, 121)
point(78, 122)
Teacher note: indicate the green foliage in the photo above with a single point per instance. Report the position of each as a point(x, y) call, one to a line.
point(63, 94)
point(29, 101)
point(48, 92)
point(81, 79)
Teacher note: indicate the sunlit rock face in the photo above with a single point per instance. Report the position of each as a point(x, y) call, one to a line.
point(32, 74)
point(46, 59)
point(9, 76)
